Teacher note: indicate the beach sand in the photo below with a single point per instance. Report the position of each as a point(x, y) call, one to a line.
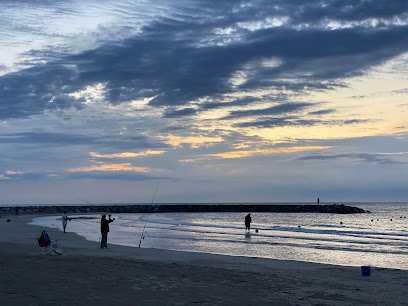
point(87, 275)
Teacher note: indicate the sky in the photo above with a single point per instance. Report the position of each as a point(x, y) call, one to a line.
point(209, 101)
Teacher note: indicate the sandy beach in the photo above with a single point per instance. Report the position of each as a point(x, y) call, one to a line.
point(87, 275)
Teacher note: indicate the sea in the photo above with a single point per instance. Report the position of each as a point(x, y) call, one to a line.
point(377, 239)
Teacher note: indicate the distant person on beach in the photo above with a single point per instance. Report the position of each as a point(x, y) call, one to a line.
point(17, 209)
point(318, 200)
point(65, 220)
point(105, 230)
point(248, 222)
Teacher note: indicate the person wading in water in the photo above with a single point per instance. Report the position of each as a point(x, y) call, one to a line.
point(247, 223)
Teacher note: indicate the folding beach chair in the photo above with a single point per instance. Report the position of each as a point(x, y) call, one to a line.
point(51, 247)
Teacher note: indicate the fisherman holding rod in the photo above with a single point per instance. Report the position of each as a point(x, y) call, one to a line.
point(105, 230)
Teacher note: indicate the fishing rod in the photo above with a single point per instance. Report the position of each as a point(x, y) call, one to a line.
point(144, 227)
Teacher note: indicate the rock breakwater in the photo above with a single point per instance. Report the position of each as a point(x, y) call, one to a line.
point(167, 208)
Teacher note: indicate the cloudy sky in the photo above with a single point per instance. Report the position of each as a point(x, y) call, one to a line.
point(215, 101)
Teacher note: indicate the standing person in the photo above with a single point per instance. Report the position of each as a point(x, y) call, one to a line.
point(64, 220)
point(105, 230)
point(318, 200)
point(17, 209)
point(248, 222)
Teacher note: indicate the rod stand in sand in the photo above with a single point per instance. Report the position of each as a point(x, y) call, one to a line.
point(144, 227)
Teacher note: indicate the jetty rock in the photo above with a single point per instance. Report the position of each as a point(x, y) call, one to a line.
point(167, 208)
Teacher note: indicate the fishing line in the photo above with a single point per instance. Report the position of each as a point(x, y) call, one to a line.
point(92, 224)
point(151, 208)
point(89, 224)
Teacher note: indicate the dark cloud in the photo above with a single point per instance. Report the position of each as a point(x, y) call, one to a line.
point(314, 11)
point(180, 113)
point(280, 109)
point(32, 91)
point(54, 139)
point(353, 121)
point(179, 59)
point(174, 128)
point(358, 97)
point(400, 91)
point(47, 138)
point(224, 102)
point(323, 112)
point(348, 10)
point(278, 122)
point(220, 104)
point(295, 121)
point(363, 157)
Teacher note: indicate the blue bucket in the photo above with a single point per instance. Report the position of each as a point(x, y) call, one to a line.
point(365, 270)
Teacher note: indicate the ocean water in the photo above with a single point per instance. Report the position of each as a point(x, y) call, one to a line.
point(378, 239)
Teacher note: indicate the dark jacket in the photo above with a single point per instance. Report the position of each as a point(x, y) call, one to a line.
point(105, 225)
point(248, 219)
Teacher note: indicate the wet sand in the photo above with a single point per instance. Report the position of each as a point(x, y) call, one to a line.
point(87, 275)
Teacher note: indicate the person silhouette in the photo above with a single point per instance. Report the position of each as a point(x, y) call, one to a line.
point(105, 230)
point(248, 222)
point(64, 220)
point(318, 200)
